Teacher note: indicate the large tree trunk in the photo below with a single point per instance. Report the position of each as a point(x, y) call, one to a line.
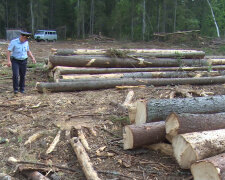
point(115, 62)
point(190, 147)
point(105, 84)
point(173, 74)
point(146, 134)
point(212, 168)
point(159, 109)
point(186, 123)
point(159, 53)
point(61, 70)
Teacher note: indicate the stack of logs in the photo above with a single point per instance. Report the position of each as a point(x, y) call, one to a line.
point(92, 69)
point(190, 129)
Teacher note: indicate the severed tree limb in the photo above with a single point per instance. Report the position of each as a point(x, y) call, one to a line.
point(54, 143)
point(34, 137)
point(14, 161)
point(84, 159)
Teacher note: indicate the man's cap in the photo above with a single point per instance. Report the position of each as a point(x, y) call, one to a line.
point(25, 33)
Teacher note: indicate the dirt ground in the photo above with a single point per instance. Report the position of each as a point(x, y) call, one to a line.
point(24, 115)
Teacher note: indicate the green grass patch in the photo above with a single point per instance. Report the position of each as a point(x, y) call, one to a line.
point(123, 120)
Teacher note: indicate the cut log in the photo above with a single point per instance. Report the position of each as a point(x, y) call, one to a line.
point(186, 123)
point(159, 109)
point(84, 159)
point(146, 134)
point(173, 74)
point(62, 70)
point(190, 147)
point(114, 62)
point(165, 53)
point(105, 84)
point(212, 168)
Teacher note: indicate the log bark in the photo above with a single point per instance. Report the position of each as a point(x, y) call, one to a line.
point(159, 109)
point(114, 62)
point(146, 134)
point(186, 123)
point(80, 85)
point(62, 70)
point(168, 74)
point(84, 159)
point(190, 147)
point(212, 168)
point(165, 53)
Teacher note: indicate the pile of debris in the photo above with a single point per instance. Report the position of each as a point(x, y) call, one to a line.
point(92, 69)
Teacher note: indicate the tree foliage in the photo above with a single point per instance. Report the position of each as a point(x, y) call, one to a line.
point(122, 19)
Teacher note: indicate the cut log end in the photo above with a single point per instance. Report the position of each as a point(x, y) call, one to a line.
point(128, 142)
point(205, 170)
point(183, 152)
point(172, 126)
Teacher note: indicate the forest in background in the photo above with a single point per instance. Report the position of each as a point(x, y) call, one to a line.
point(120, 19)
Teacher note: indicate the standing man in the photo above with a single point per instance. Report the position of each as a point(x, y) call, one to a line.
point(18, 52)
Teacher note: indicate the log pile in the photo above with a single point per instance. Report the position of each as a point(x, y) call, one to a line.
point(193, 128)
point(92, 69)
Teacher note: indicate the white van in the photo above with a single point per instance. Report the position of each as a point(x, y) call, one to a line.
point(45, 35)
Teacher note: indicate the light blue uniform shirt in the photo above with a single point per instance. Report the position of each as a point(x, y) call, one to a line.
point(19, 49)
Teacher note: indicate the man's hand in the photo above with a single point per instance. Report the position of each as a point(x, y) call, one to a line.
point(9, 64)
point(34, 61)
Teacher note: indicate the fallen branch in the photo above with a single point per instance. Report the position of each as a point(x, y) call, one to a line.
point(84, 159)
point(54, 143)
point(34, 137)
point(14, 161)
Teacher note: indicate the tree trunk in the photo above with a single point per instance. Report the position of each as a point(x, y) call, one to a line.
point(214, 19)
point(159, 109)
point(105, 84)
point(190, 147)
point(212, 168)
point(61, 70)
point(173, 74)
point(113, 62)
point(143, 21)
point(160, 53)
point(186, 123)
point(175, 16)
point(146, 134)
point(32, 16)
point(84, 159)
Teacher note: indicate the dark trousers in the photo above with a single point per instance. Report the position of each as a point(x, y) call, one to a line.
point(19, 68)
